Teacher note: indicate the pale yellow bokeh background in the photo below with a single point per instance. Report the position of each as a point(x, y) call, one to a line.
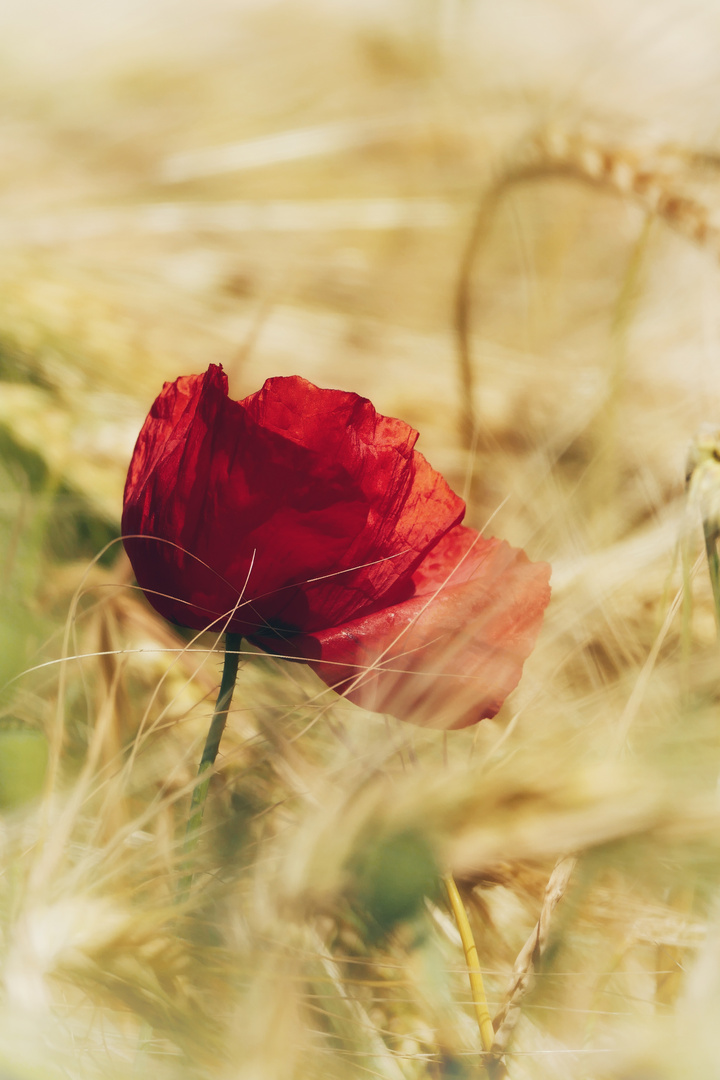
point(291, 188)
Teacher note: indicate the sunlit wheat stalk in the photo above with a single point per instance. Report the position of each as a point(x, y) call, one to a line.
point(653, 179)
point(528, 957)
point(703, 490)
point(477, 986)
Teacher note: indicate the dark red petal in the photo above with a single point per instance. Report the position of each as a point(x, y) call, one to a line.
point(409, 506)
point(303, 506)
point(152, 525)
point(450, 655)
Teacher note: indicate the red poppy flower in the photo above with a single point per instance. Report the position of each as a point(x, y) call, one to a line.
point(305, 521)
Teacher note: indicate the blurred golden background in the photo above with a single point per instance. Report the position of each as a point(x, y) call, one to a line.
point(500, 222)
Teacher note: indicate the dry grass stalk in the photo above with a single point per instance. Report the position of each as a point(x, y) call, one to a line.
point(654, 178)
point(508, 1015)
point(657, 178)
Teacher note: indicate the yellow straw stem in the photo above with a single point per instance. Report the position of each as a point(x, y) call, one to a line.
point(477, 988)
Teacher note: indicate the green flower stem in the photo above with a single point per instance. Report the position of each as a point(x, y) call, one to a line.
point(210, 751)
point(477, 987)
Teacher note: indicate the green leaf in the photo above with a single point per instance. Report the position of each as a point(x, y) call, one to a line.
point(23, 763)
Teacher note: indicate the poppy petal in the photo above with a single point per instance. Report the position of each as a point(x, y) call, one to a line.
point(297, 509)
point(451, 654)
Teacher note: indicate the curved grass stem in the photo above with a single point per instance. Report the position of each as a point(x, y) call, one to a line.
point(477, 987)
point(711, 532)
point(210, 751)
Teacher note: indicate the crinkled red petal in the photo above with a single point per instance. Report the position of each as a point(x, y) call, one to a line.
point(449, 656)
point(295, 510)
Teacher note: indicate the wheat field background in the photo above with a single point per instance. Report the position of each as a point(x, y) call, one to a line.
point(502, 224)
